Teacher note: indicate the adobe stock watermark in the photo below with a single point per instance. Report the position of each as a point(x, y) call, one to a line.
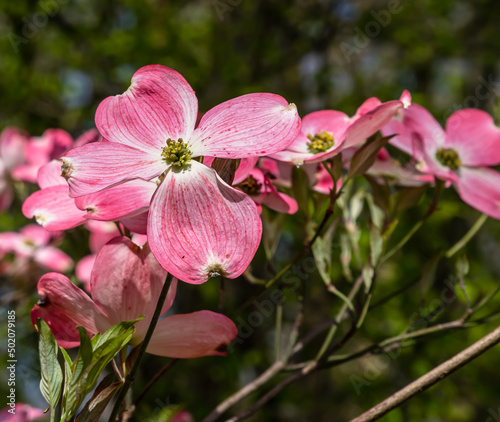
point(494, 415)
point(34, 23)
point(418, 321)
point(485, 89)
point(224, 6)
point(372, 29)
point(264, 308)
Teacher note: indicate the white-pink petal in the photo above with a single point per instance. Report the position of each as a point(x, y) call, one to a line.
point(199, 226)
point(202, 333)
point(249, 125)
point(158, 105)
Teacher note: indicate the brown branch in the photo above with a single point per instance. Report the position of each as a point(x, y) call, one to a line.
point(428, 380)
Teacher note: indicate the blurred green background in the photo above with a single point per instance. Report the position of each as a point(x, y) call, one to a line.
point(60, 58)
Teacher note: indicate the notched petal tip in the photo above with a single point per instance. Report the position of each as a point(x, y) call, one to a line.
point(406, 99)
point(66, 168)
point(290, 107)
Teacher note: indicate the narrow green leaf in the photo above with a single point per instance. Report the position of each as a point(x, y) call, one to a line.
point(272, 227)
point(367, 275)
point(429, 272)
point(322, 253)
point(408, 197)
point(300, 188)
point(51, 372)
point(364, 157)
point(103, 394)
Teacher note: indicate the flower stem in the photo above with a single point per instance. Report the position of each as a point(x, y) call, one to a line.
point(131, 375)
point(468, 236)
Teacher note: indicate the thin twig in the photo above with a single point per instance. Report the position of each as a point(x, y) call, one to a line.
point(158, 375)
point(432, 377)
point(131, 375)
point(468, 236)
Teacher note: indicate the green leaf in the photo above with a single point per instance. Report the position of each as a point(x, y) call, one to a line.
point(300, 188)
point(272, 227)
point(368, 273)
point(322, 253)
point(408, 197)
point(364, 157)
point(51, 372)
point(103, 394)
point(381, 195)
point(429, 272)
point(346, 256)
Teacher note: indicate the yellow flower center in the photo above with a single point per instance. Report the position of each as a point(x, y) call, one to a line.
point(320, 142)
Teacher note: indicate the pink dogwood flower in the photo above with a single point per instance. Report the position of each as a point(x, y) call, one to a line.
point(460, 155)
point(12, 153)
point(325, 133)
point(32, 244)
point(22, 413)
point(123, 291)
point(198, 226)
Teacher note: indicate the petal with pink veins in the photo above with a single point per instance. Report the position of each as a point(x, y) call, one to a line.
point(202, 333)
point(480, 188)
point(99, 165)
point(53, 209)
point(57, 290)
point(249, 125)
point(475, 137)
point(121, 201)
point(199, 226)
point(158, 105)
point(126, 291)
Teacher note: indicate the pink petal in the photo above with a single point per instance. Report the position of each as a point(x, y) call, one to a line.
point(87, 137)
point(99, 165)
point(50, 175)
point(186, 336)
point(137, 224)
point(250, 125)
point(414, 125)
point(474, 134)
point(37, 235)
point(25, 172)
point(6, 195)
point(368, 105)
point(53, 209)
point(54, 259)
point(13, 146)
point(159, 105)
point(84, 268)
point(199, 226)
point(371, 122)
point(101, 232)
point(26, 413)
point(244, 169)
point(56, 290)
point(281, 202)
point(480, 188)
point(60, 141)
point(121, 201)
point(132, 288)
point(63, 327)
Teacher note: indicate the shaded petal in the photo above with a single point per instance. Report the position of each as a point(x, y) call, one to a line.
point(37, 235)
point(253, 124)
point(53, 209)
point(63, 327)
point(280, 202)
point(202, 333)
point(99, 165)
point(87, 137)
point(371, 122)
point(199, 226)
point(53, 258)
point(56, 290)
point(137, 224)
point(131, 289)
point(50, 175)
point(101, 232)
point(121, 201)
point(25, 172)
point(474, 135)
point(159, 105)
point(480, 188)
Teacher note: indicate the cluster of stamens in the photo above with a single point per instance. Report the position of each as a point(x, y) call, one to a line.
point(176, 153)
point(448, 157)
point(320, 142)
point(250, 186)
